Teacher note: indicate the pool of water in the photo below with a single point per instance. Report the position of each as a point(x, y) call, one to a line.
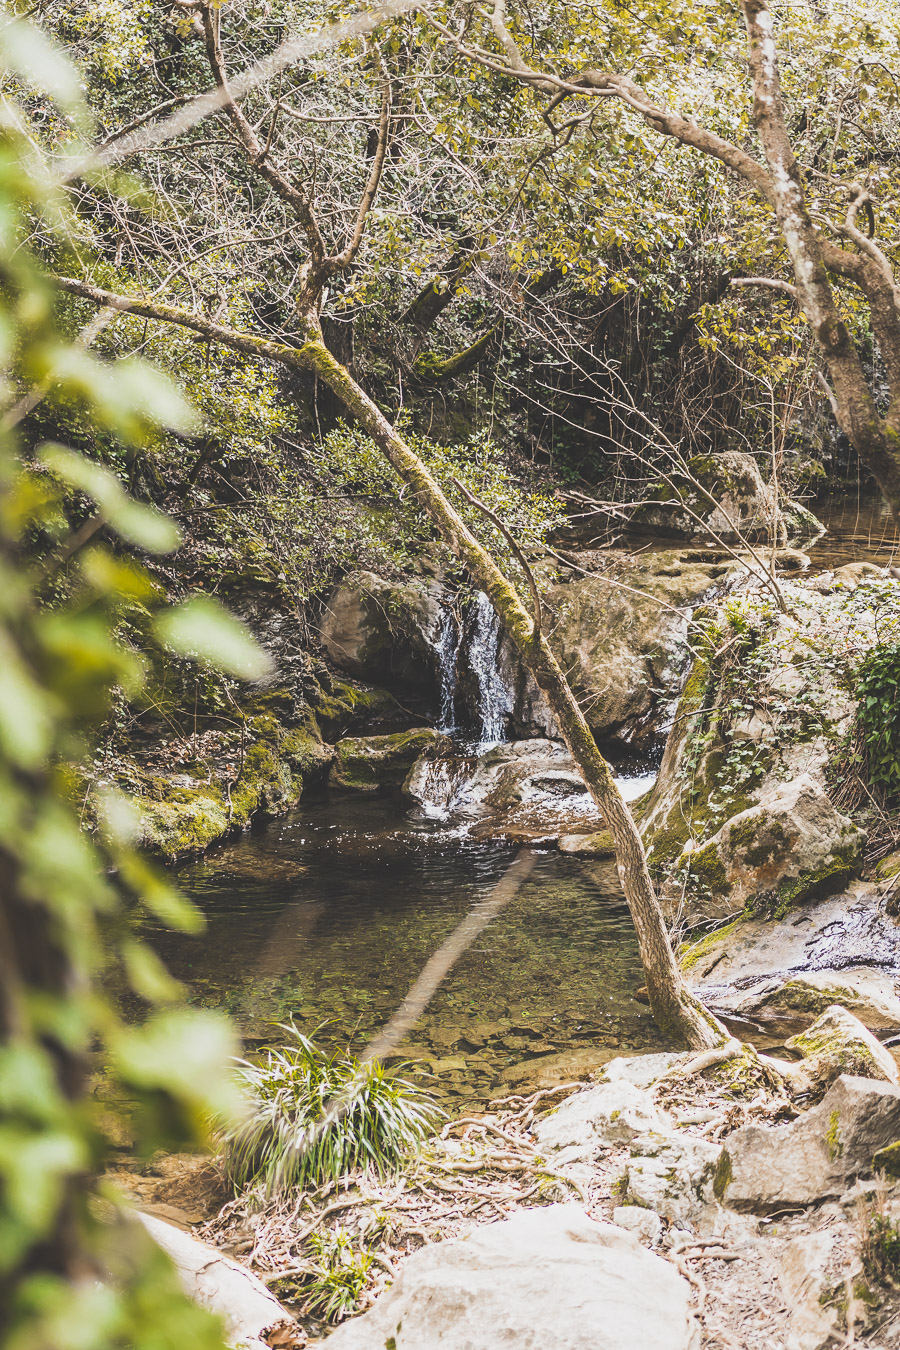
point(329, 914)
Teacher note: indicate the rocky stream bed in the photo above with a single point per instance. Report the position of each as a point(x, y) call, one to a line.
point(602, 1189)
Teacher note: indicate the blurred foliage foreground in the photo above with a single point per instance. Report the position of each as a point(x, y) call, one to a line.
point(74, 1270)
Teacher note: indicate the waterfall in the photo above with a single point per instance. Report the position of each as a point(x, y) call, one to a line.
point(446, 650)
point(494, 699)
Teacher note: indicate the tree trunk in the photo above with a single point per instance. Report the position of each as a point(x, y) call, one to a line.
point(676, 1011)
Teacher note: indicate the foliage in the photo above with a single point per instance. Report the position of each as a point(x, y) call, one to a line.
point(73, 1273)
point(334, 1290)
point(383, 1117)
point(878, 715)
point(356, 463)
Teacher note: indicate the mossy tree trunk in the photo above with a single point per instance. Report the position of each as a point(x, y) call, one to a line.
point(675, 1009)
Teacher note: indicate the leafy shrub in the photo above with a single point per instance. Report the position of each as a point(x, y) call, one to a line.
point(878, 691)
point(384, 1118)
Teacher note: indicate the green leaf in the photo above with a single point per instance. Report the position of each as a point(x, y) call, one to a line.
point(202, 629)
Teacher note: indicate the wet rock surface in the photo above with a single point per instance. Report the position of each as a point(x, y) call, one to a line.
point(367, 763)
point(546, 1277)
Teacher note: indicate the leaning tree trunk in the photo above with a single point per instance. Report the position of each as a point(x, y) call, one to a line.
point(675, 1009)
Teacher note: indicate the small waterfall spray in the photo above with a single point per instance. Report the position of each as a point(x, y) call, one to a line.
point(495, 700)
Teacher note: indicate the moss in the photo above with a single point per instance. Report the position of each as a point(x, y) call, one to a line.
point(888, 867)
point(705, 869)
point(348, 705)
point(888, 1160)
point(833, 1140)
point(759, 838)
point(832, 876)
point(366, 763)
point(690, 954)
point(724, 1175)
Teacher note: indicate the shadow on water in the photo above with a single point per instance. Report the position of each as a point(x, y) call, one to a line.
point(331, 912)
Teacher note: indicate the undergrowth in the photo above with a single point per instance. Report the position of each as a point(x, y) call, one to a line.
point(293, 1138)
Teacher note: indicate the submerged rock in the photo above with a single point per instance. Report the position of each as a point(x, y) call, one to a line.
point(367, 763)
point(547, 1277)
point(815, 1157)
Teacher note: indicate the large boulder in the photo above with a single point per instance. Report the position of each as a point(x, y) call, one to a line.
point(723, 497)
point(815, 1157)
point(383, 631)
point(547, 1277)
point(366, 763)
point(791, 846)
point(620, 633)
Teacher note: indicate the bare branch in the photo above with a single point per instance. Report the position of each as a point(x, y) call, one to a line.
point(772, 284)
point(339, 261)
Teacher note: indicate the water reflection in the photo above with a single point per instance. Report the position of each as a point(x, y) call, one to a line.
point(330, 913)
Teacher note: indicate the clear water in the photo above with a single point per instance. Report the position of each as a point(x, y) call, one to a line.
point(331, 912)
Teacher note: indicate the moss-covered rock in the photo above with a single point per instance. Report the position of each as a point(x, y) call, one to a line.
point(385, 631)
point(836, 1043)
point(367, 763)
point(723, 496)
point(791, 847)
point(597, 845)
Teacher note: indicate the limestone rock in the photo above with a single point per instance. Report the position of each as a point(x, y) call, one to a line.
point(743, 505)
point(803, 1278)
point(253, 1317)
point(793, 1003)
point(837, 1043)
point(597, 845)
point(547, 1277)
point(601, 1117)
point(672, 1174)
point(366, 763)
point(791, 847)
point(623, 651)
point(815, 1157)
point(645, 1225)
point(384, 631)
point(520, 789)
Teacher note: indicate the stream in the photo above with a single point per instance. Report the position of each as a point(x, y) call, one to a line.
point(328, 914)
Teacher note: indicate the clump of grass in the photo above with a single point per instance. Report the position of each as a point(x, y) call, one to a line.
point(291, 1141)
point(340, 1278)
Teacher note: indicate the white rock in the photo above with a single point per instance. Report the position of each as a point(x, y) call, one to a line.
point(672, 1175)
point(547, 1277)
point(603, 1116)
point(645, 1225)
point(803, 1279)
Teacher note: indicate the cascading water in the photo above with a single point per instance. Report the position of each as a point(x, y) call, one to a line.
point(495, 700)
point(447, 655)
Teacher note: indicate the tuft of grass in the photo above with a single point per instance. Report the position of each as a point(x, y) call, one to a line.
point(315, 1117)
point(341, 1275)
